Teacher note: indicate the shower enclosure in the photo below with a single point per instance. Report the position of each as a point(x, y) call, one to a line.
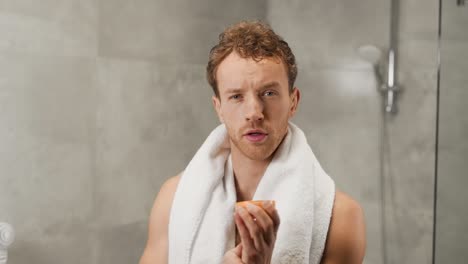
point(451, 214)
point(102, 100)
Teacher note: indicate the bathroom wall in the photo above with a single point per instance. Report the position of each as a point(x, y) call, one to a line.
point(409, 154)
point(341, 112)
point(452, 216)
point(100, 102)
point(48, 88)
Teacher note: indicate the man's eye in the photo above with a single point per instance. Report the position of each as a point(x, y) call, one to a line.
point(236, 96)
point(268, 93)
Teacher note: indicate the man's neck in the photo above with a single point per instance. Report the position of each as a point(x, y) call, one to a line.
point(247, 174)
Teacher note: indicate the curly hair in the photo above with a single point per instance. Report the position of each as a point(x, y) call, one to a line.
point(250, 39)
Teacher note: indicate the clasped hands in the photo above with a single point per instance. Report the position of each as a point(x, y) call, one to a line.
point(257, 228)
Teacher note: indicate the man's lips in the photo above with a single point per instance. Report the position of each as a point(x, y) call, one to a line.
point(255, 131)
point(256, 135)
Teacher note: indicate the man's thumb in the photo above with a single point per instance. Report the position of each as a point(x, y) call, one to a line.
point(238, 250)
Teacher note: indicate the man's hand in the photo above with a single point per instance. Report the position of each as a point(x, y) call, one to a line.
point(257, 229)
point(233, 256)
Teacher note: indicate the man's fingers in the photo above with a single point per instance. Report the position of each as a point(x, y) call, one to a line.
point(255, 231)
point(272, 212)
point(247, 242)
point(261, 217)
point(266, 220)
point(267, 214)
point(276, 219)
point(238, 250)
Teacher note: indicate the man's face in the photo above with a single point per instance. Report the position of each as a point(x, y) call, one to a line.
point(254, 96)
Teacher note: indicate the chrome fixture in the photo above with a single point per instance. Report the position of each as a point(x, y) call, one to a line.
point(390, 89)
point(373, 54)
point(7, 236)
point(387, 86)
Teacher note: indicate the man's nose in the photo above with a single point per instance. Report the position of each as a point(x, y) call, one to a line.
point(254, 109)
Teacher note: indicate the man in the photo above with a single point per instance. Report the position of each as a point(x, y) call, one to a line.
point(252, 72)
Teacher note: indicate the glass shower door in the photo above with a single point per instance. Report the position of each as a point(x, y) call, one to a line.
point(451, 238)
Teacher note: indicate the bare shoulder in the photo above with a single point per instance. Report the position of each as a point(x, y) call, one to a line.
point(157, 245)
point(346, 239)
point(345, 205)
point(169, 186)
point(163, 202)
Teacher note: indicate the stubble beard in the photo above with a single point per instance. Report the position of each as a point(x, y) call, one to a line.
point(260, 151)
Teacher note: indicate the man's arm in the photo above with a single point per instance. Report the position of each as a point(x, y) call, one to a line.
point(346, 239)
point(156, 249)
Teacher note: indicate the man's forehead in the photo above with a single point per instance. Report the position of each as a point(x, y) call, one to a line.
point(236, 72)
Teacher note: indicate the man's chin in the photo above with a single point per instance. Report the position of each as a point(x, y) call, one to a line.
point(258, 154)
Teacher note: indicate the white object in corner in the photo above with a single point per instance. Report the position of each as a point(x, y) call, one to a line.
point(7, 236)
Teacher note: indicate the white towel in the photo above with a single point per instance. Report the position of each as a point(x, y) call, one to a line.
point(202, 228)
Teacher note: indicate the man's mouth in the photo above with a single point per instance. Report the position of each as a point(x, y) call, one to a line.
point(256, 136)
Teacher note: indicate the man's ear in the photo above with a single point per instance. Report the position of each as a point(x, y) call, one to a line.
point(295, 98)
point(217, 107)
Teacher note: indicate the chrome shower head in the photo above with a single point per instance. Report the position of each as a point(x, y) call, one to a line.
point(373, 55)
point(370, 53)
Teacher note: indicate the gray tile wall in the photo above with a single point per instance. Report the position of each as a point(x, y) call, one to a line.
point(452, 216)
point(410, 156)
point(48, 85)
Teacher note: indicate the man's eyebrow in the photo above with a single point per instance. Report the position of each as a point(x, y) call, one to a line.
point(270, 85)
point(233, 90)
point(273, 84)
